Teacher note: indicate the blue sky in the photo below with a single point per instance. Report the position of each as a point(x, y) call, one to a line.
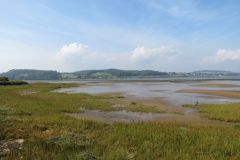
point(165, 35)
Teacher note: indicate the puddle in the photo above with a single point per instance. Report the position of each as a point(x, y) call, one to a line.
point(120, 116)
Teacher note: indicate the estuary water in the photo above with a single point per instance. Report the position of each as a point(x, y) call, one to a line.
point(167, 91)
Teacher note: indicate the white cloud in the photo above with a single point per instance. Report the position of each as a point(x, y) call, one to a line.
point(142, 53)
point(71, 56)
point(72, 49)
point(223, 55)
point(78, 56)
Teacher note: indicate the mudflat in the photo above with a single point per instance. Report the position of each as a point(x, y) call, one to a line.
point(218, 85)
point(222, 93)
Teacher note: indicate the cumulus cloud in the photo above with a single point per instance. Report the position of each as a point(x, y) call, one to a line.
point(72, 49)
point(78, 56)
point(142, 53)
point(223, 55)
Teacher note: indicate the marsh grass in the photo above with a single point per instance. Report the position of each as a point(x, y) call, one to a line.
point(4, 113)
point(49, 134)
point(136, 107)
point(223, 112)
point(170, 141)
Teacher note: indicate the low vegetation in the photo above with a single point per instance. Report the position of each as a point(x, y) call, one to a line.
point(38, 118)
point(4, 81)
point(136, 107)
point(223, 112)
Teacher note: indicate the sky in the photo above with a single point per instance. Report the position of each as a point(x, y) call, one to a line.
point(164, 35)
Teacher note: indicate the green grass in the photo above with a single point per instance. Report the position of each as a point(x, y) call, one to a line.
point(50, 134)
point(136, 107)
point(169, 141)
point(223, 112)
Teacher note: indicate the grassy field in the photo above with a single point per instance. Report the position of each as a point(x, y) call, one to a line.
point(223, 112)
point(35, 114)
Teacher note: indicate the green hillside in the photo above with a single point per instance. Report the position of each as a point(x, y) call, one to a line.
point(29, 74)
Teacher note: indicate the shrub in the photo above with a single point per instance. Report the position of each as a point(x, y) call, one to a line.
point(4, 79)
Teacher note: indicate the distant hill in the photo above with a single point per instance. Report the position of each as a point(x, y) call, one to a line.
point(117, 73)
point(29, 74)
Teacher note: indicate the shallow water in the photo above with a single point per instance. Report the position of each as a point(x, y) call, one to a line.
point(155, 90)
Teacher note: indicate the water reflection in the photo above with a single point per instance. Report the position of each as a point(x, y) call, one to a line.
point(163, 90)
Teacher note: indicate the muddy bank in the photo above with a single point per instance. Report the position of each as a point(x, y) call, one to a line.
point(221, 93)
point(220, 85)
